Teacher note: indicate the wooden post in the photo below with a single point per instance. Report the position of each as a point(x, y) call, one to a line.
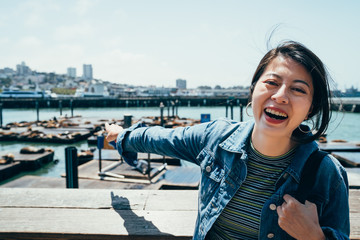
point(71, 164)
point(231, 111)
point(72, 108)
point(1, 115)
point(241, 113)
point(168, 109)
point(161, 114)
point(127, 120)
point(227, 103)
point(173, 108)
point(60, 106)
point(176, 107)
point(100, 145)
point(37, 110)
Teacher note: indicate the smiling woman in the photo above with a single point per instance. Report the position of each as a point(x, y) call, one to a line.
point(251, 171)
point(281, 100)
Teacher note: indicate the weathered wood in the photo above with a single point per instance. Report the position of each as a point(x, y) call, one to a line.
point(348, 158)
point(30, 181)
point(24, 162)
point(90, 170)
point(9, 170)
point(353, 177)
point(99, 199)
point(108, 154)
point(354, 201)
point(183, 177)
point(340, 147)
point(97, 222)
point(108, 214)
point(97, 214)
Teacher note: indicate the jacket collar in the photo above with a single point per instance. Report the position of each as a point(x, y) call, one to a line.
point(302, 153)
point(239, 139)
point(238, 142)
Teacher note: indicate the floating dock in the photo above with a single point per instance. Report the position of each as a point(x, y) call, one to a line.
point(24, 162)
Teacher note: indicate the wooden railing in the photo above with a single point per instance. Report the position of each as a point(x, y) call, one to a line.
point(27, 213)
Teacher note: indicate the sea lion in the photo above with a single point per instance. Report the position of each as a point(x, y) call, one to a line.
point(339, 141)
point(7, 158)
point(31, 150)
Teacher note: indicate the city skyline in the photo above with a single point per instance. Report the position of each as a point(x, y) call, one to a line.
point(205, 42)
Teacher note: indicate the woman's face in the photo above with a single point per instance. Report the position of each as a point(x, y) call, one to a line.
point(282, 97)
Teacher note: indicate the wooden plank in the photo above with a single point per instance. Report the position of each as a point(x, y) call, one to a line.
point(354, 202)
point(349, 158)
point(28, 157)
point(100, 213)
point(90, 170)
point(30, 181)
point(149, 200)
point(111, 154)
point(89, 214)
point(9, 170)
point(20, 157)
point(70, 198)
point(339, 147)
point(97, 222)
point(182, 177)
point(353, 177)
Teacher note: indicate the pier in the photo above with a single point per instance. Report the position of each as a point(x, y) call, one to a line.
point(87, 102)
point(338, 104)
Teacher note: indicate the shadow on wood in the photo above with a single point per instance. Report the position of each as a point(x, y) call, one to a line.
point(135, 225)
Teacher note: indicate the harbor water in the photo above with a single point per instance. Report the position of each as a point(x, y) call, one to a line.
point(344, 125)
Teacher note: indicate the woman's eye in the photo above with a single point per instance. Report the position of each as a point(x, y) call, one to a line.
point(271, 83)
point(299, 90)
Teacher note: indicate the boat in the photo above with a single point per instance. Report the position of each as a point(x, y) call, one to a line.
point(24, 94)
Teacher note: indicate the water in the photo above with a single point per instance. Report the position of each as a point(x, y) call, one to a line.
point(343, 126)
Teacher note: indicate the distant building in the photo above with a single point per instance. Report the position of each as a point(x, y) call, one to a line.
point(87, 72)
point(181, 83)
point(71, 72)
point(22, 69)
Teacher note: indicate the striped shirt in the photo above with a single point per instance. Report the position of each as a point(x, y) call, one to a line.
point(241, 217)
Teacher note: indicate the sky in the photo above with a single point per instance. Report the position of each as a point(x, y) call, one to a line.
point(155, 42)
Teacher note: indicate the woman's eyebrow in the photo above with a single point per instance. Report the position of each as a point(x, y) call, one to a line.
point(271, 74)
point(302, 81)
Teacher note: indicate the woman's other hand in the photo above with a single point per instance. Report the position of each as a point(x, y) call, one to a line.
point(112, 131)
point(299, 220)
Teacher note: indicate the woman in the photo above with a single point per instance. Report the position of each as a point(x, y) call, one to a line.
point(250, 171)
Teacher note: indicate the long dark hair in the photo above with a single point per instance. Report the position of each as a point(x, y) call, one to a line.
point(320, 112)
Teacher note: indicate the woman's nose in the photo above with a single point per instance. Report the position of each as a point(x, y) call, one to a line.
point(280, 96)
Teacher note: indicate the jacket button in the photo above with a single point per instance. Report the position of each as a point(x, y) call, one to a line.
point(270, 235)
point(208, 169)
point(272, 206)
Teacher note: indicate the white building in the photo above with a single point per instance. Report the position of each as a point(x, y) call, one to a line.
point(87, 71)
point(71, 72)
point(94, 89)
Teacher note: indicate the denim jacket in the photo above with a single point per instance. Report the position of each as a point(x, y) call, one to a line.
point(220, 149)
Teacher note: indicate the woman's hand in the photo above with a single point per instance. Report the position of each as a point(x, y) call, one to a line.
point(112, 131)
point(299, 220)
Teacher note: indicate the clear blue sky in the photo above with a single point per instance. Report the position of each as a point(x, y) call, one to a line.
point(154, 42)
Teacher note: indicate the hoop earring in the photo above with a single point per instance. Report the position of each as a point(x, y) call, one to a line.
point(246, 109)
point(312, 129)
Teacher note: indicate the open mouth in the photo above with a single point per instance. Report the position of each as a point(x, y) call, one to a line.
point(275, 114)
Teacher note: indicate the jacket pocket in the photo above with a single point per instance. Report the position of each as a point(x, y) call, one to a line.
point(210, 167)
point(211, 174)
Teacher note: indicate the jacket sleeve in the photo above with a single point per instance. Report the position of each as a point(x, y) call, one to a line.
point(335, 220)
point(181, 142)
